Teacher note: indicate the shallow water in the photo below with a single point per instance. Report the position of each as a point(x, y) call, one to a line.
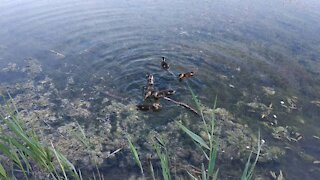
point(235, 48)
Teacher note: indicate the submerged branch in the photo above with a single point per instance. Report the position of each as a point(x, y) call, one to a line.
point(182, 104)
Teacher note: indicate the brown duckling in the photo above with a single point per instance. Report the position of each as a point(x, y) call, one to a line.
point(164, 64)
point(185, 75)
point(149, 93)
point(156, 107)
point(163, 93)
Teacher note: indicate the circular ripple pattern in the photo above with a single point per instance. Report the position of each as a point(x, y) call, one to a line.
point(121, 41)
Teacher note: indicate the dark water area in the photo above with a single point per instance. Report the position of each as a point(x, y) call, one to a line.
point(247, 53)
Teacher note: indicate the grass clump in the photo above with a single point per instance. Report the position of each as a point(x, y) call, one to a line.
point(27, 155)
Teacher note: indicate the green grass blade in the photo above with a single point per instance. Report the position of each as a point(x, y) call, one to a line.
point(194, 136)
point(164, 161)
point(203, 172)
point(3, 173)
point(249, 168)
point(215, 176)
point(152, 171)
point(192, 176)
point(135, 155)
point(59, 161)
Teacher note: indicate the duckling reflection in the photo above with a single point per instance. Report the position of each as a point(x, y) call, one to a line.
point(185, 75)
point(164, 64)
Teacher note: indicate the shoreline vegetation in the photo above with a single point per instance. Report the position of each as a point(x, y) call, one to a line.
point(24, 155)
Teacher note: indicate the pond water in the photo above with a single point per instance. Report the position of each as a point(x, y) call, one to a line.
point(261, 60)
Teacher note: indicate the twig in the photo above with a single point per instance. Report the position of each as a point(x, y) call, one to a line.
point(114, 152)
point(57, 53)
point(182, 104)
point(119, 98)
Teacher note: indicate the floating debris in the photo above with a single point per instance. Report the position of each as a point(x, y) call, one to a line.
point(269, 91)
point(291, 103)
point(316, 162)
point(261, 108)
point(185, 75)
point(57, 53)
point(164, 64)
point(274, 176)
point(282, 133)
point(317, 103)
point(316, 137)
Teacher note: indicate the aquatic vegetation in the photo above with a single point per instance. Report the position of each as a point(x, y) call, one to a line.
point(90, 130)
point(28, 154)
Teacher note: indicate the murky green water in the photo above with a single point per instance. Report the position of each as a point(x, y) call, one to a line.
point(88, 60)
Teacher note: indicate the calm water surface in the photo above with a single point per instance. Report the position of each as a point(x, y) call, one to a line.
point(234, 47)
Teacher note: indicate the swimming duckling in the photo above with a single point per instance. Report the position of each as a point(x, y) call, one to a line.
point(156, 107)
point(163, 93)
point(150, 79)
point(148, 93)
point(164, 64)
point(185, 75)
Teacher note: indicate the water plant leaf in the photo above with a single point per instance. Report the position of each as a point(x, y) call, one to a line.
point(215, 176)
point(192, 176)
point(212, 160)
point(164, 161)
point(194, 136)
point(152, 171)
point(135, 154)
point(249, 168)
point(203, 172)
point(3, 173)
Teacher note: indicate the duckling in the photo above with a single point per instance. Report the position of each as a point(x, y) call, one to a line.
point(150, 79)
point(185, 75)
point(148, 93)
point(156, 107)
point(163, 93)
point(164, 64)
